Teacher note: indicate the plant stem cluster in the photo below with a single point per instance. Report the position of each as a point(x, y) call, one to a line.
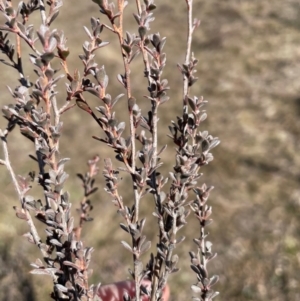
point(37, 112)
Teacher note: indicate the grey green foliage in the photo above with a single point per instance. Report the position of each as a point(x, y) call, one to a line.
point(37, 111)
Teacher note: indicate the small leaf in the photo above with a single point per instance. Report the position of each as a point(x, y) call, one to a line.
point(180, 239)
point(71, 264)
point(63, 161)
point(124, 227)
point(203, 117)
point(29, 237)
point(83, 106)
point(134, 55)
point(47, 57)
point(20, 213)
point(126, 246)
point(88, 32)
point(52, 17)
point(61, 288)
point(127, 48)
point(55, 242)
point(102, 77)
point(142, 31)
point(131, 103)
point(145, 247)
point(39, 272)
point(213, 280)
point(196, 289)
point(205, 145)
point(151, 7)
point(116, 99)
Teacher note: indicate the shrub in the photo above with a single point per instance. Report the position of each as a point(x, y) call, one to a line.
point(37, 111)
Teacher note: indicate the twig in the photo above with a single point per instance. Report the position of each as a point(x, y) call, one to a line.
point(138, 4)
point(43, 12)
point(28, 41)
point(8, 165)
point(119, 32)
point(19, 58)
point(189, 4)
point(55, 110)
point(145, 53)
point(29, 220)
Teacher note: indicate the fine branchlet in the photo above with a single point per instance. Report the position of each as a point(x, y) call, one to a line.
point(37, 111)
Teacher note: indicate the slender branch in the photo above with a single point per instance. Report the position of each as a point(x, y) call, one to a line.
point(119, 32)
point(7, 49)
point(154, 131)
point(138, 4)
point(19, 58)
point(154, 104)
point(133, 167)
point(43, 12)
point(55, 110)
point(189, 4)
point(66, 107)
point(29, 220)
point(203, 249)
point(8, 165)
point(29, 42)
point(66, 69)
point(121, 10)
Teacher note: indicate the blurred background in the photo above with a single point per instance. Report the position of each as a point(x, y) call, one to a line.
point(249, 70)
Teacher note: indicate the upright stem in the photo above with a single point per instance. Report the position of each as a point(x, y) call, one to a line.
point(29, 220)
point(8, 165)
point(19, 59)
point(119, 31)
point(203, 251)
point(189, 4)
point(138, 5)
point(55, 111)
point(43, 12)
point(121, 9)
point(154, 110)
